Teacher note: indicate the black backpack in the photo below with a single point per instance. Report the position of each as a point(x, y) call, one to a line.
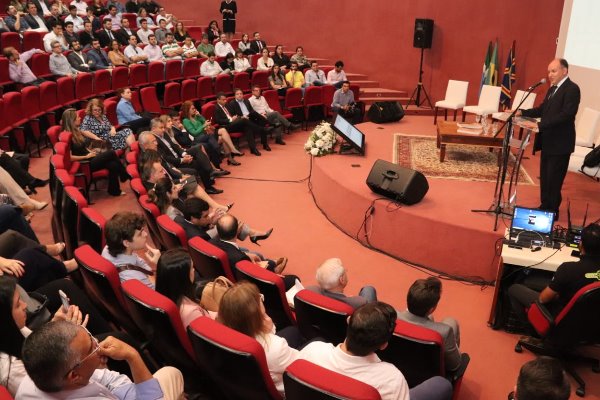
point(592, 159)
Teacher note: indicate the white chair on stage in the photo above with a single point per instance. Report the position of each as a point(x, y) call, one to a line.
point(503, 116)
point(588, 136)
point(456, 97)
point(489, 99)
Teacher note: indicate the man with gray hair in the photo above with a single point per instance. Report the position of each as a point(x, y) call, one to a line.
point(332, 279)
point(64, 360)
point(59, 65)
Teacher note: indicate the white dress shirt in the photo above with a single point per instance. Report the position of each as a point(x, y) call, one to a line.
point(211, 69)
point(222, 49)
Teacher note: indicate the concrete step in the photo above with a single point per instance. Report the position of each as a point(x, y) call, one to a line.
point(365, 84)
point(381, 92)
point(353, 76)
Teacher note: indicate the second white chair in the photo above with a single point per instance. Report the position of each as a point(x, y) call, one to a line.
point(489, 99)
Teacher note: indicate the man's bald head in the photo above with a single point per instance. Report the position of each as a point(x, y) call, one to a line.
point(227, 227)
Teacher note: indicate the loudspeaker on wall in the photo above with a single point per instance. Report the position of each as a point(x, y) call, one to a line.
point(398, 183)
point(423, 33)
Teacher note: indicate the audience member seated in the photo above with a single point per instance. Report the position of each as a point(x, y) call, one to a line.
point(213, 31)
point(126, 234)
point(370, 328)
point(422, 300)
point(59, 65)
point(189, 48)
point(132, 6)
point(17, 165)
point(567, 280)
point(98, 8)
point(162, 14)
point(123, 34)
point(171, 49)
point(69, 33)
point(151, 6)
point(161, 32)
point(87, 35)
point(134, 53)
point(126, 113)
point(257, 44)
point(34, 20)
point(227, 65)
point(227, 229)
point(116, 56)
point(223, 47)
point(280, 58)
point(80, 7)
point(274, 118)
point(98, 57)
point(153, 167)
point(63, 9)
point(344, 104)
point(55, 34)
point(63, 359)
point(205, 48)
point(210, 67)
point(12, 217)
point(15, 20)
point(244, 45)
point(300, 58)
point(294, 77)
point(265, 62)
point(97, 122)
point(277, 80)
point(106, 35)
point(54, 17)
point(175, 280)
point(93, 19)
point(114, 16)
point(75, 18)
point(30, 262)
point(177, 130)
point(242, 309)
point(17, 195)
point(153, 50)
point(241, 64)
point(81, 149)
point(165, 194)
point(181, 32)
point(144, 32)
point(542, 378)
point(120, 7)
point(315, 76)
point(18, 70)
point(204, 133)
point(332, 279)
point(337, 76)
point(143, 16)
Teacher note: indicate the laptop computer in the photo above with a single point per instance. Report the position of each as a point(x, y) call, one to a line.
point(531, 226)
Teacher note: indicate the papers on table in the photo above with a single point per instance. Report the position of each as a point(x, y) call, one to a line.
point(469, 129)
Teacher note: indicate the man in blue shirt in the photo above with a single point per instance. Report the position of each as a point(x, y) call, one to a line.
point(126, 113)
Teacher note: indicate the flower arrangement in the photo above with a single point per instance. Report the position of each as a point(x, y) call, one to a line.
point(321, 140)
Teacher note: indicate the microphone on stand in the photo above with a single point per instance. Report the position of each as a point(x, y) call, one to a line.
point(534, 86)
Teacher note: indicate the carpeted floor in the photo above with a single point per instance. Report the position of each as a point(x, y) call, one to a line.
point(468, 163)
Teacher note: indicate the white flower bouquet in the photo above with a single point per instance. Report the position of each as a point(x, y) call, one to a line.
point(321, 140)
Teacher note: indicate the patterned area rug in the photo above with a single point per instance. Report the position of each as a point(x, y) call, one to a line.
point(467, 163)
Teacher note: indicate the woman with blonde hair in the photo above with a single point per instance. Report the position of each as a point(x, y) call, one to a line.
point(80, 150)
point(242, 309)
point(96, 122)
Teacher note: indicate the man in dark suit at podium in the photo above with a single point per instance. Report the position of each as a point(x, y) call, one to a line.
point(556, 137)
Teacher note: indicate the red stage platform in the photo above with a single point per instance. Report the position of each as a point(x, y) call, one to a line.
point(440, 232)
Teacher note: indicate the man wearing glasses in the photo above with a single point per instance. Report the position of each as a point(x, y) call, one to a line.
point(64, 360)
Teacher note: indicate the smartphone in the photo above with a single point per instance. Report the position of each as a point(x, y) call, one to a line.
point(64, 299)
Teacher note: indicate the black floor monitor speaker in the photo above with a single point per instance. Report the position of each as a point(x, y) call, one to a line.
point(423, 33)
point(385, 111)
point(398, 183)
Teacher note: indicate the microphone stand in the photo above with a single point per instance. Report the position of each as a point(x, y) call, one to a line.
point(496, 207)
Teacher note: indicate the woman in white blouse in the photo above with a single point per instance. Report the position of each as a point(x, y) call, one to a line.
point(241, 63)
point(265, 63)
point(242, 309)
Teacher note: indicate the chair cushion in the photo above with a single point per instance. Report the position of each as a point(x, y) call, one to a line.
point(453, 105)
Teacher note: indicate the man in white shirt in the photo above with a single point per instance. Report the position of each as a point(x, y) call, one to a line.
point(260, 105)
point(337, 76)
point(223, 47)
point(135, 53)
point(56, 34)
point(163, 15)
point(370, 328)
point(144, 33)
point(153, 50)
point(76, 19)
point(210, 67)
point(314, 76)
point(81, 7)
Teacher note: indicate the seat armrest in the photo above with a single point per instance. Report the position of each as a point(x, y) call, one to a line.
point(540, 318)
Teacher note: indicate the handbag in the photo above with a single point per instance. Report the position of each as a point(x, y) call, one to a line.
point(99, 146)
point(213, 293)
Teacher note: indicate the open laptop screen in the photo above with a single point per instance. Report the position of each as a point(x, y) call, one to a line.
point(531, 219)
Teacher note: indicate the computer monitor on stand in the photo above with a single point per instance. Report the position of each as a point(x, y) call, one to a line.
point(354, 139)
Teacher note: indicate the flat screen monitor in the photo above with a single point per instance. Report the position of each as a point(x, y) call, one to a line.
point(531, 219)
point(350, 133)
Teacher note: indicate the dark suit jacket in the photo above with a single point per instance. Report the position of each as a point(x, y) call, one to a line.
point(75, 62)
point(234, 255)
point(123, 37)
point(219, 117)
point(166, 154)
point(85, 39)
point(190, 229)
point(235, 109)
point(97, 61)
point(50, 21)
point(254, 46)
point(557, 127)
point(104, 38)
point(38, 5)
point(33, 24)
point(70, 38)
